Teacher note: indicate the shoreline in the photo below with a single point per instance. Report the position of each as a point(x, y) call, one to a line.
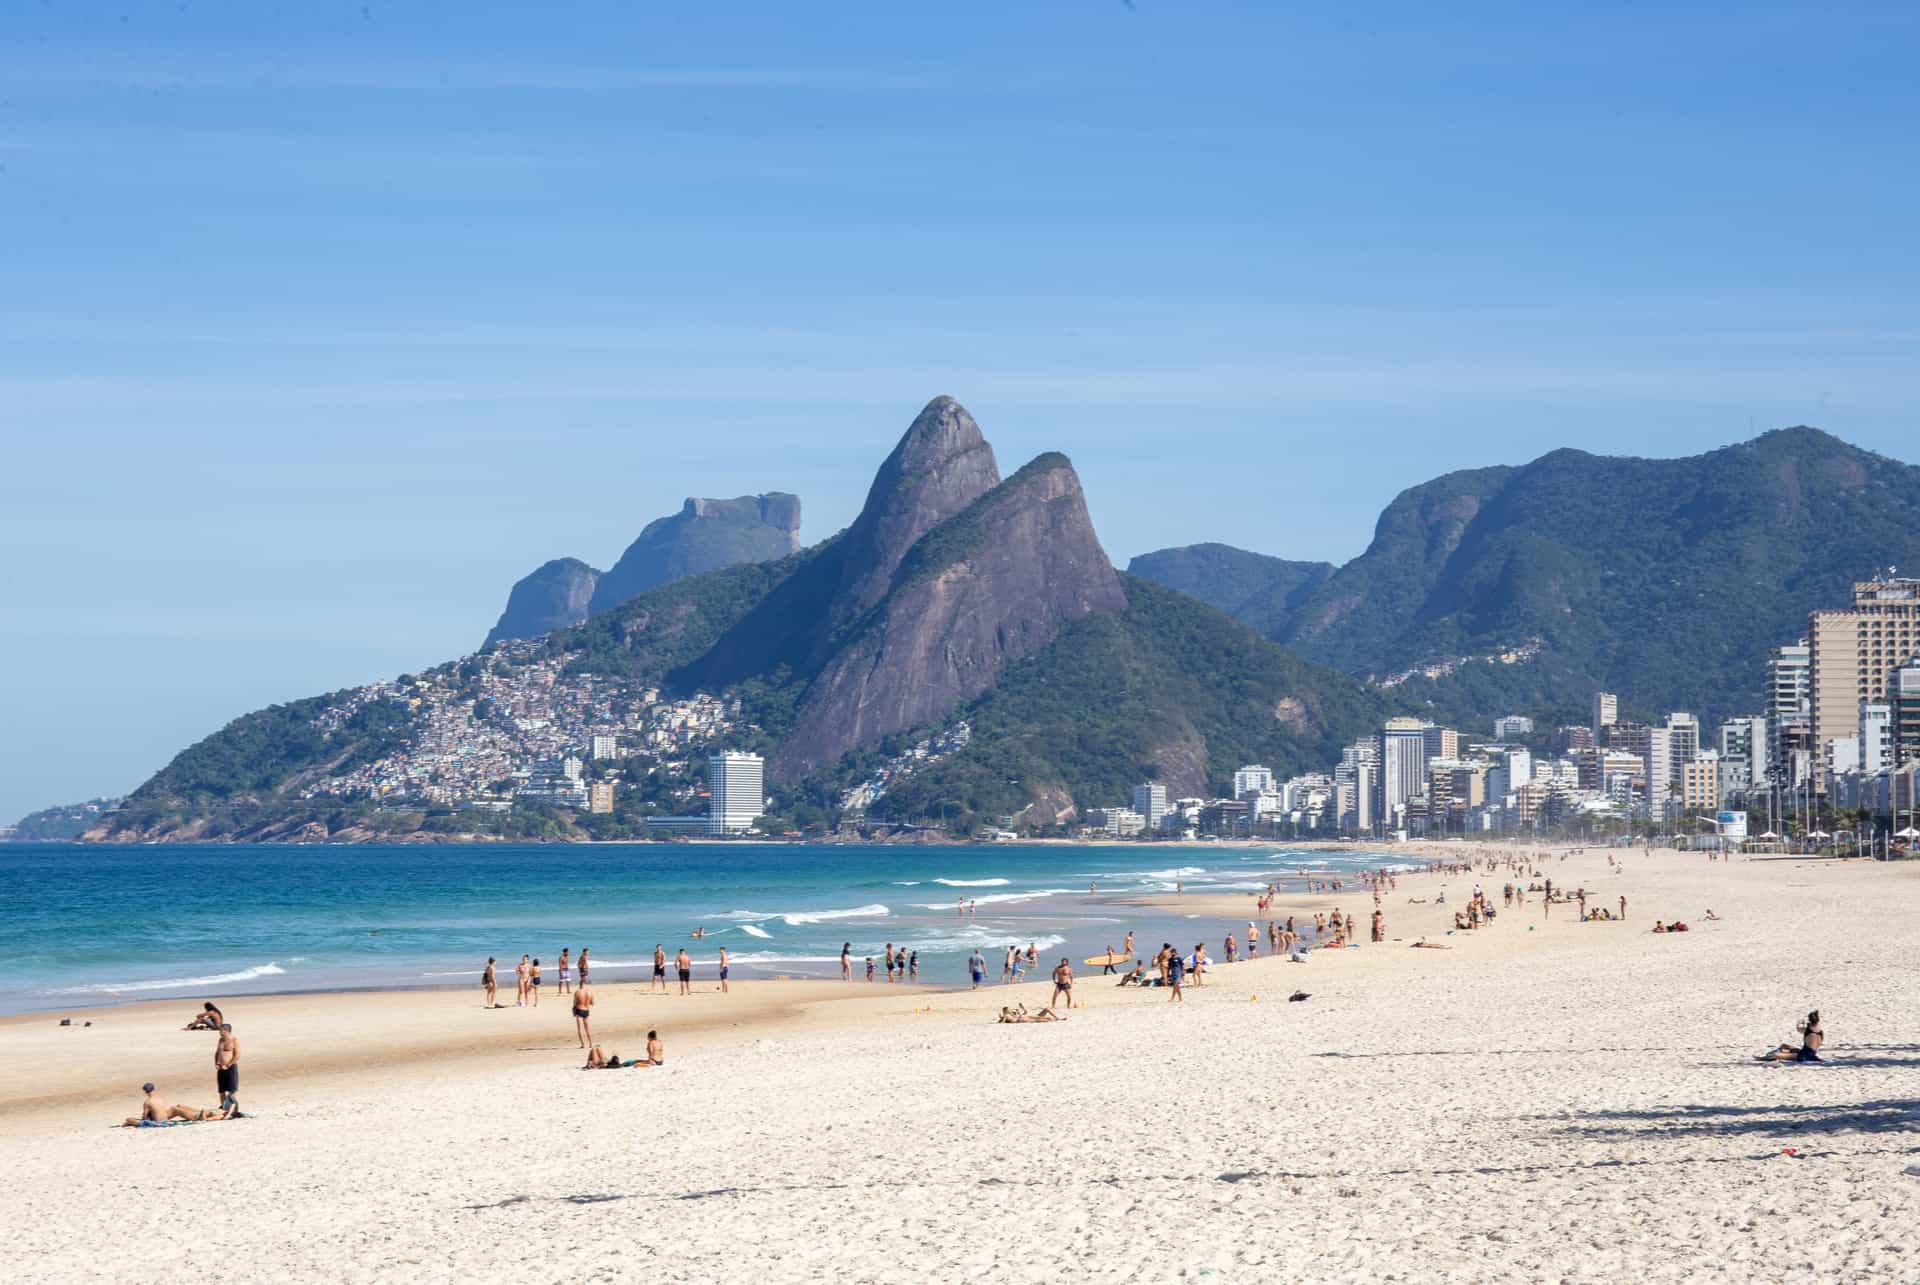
point(1595, 1070)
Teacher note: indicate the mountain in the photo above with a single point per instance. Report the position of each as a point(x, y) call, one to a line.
point(958, 607)
point(1665, 580)
point(552, 597)
point(58, 824)
point(703, 536)
point(1253, 588)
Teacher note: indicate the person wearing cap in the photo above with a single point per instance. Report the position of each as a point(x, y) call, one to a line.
point(226, 1070)
point(154, 1111)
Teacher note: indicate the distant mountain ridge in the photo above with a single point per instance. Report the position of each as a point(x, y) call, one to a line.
point(1259, 590)
point(705, 535)
point(954, 595)
point(1664, 580)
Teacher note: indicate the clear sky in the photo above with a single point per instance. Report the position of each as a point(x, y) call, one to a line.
point(320, 325)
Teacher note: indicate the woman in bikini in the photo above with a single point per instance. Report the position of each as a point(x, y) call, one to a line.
point(1811, 1038)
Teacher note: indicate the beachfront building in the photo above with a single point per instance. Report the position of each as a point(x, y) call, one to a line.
point(737, 787)
point(1700, 782)
point(1658, 760)
point(1904, 723)
point(1876, 736)
point(1118, 823)
point(1746, 738)
point(1254, 778)
point(1512, 727)
point(1853, 653)
point(1402, 757)
point(1150, 801)
point(555, 780)
point(1683, 737)
point(1789, 718)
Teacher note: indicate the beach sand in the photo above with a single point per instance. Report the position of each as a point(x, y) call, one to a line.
point(1546, 1100)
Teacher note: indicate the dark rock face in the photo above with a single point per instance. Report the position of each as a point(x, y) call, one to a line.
point(553, 597)
point(704, 535)
point(991, 584)
point(938, 468)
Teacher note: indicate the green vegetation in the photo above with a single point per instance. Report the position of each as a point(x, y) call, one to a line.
point(1253, 588)
point(1168, 688)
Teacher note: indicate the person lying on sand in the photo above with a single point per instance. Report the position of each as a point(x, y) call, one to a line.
point(1424, 944)
point(1811, 1038)
point(207, 1019)
point(1710, 915)
point(1020, 1014)
point(154, 1110)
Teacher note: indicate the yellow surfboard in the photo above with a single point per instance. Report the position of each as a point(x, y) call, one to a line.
point(1101, 961)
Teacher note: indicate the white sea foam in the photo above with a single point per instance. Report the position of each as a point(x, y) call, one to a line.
point(1178, 872)
point(170, 983)
point(754, 930)
point(798, 918)
point(975, 883)
point(906, 883)
point(991, 898)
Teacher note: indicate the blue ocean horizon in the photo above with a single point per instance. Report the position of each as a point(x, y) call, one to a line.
point(87, 925)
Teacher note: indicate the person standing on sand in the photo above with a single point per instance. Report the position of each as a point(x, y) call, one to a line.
point(583, 1009)
point(846, 961)
point(659, 969)
point(683, 965)
point(913, 966)
point(565, 962)
point(1623, 907)
point(493, 986)
point(1175, 971)
point(1127, 950)
point(583, 965)
point(977, 965)
point(226, 1070)
point(889, 958)
point(723, 970)
point(1062, 984)
point(521, 971)
point(533, 983)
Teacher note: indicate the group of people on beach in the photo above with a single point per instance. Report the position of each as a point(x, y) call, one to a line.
point(156, 1111)
point(902, 965)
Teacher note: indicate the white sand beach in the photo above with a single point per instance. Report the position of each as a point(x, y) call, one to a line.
point(1547, 1100)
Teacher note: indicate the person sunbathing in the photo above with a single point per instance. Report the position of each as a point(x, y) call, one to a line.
point(1424, 944)
point(1811, 1038)
point(155, 1111)
point(1710, 915)
point(1020, 1014)
point(598, 1061)
point(1134, 978)
point(207, 1019)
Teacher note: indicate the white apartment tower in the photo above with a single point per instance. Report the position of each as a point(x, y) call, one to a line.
point(1150, 801)
point(1254, 778)
point(738, 787)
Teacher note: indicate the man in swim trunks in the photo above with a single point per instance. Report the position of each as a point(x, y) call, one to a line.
point(492, 985)
point(226, 1070)
point(583, 1009)
point(1176, 972)
point(659, 969)
point(1062, 984)
point(656, 1051)
point(683, 964)
point(977, 965)
point(566, 959)
point(723, 970)
point(533, 983)
point(583, 965)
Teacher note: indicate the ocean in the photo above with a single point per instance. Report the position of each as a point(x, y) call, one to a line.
point(85, 925)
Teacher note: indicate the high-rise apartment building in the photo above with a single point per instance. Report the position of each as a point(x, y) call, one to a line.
point(1402, 759)
point(1852, 654)
point(1606, 711)
point(1683, 731)
point(1905, 726)
point(737, 785)
point(1657, 763)
point(1254, 778)
point(1789, 706)
point(1512, 727)
point(1876, 735)
point(1150, 801)
point(1440, 742)
point(1746, 738)
point(601, 746)
point(1700, 782)
point(600, 796)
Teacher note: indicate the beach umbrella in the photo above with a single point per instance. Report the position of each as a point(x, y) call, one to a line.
point(1819, 834)
point(1908, 833)
point(1769, 835)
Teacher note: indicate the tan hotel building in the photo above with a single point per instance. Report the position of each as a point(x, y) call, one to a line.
point(1852, 653)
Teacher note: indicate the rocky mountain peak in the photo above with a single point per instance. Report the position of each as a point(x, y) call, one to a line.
point(553, 596)
point(705, 535)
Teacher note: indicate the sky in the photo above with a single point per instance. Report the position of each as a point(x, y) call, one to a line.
point(320, 325)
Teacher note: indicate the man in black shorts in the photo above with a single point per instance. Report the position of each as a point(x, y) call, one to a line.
point(683, 964)
point(659, 969)
point(226, 1070)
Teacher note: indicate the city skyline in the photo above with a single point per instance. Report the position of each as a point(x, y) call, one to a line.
point(327, 326)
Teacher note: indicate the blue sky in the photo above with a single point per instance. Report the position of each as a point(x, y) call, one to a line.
point(320, 325)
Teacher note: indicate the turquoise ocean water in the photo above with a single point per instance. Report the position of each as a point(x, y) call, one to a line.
point(98, 925)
